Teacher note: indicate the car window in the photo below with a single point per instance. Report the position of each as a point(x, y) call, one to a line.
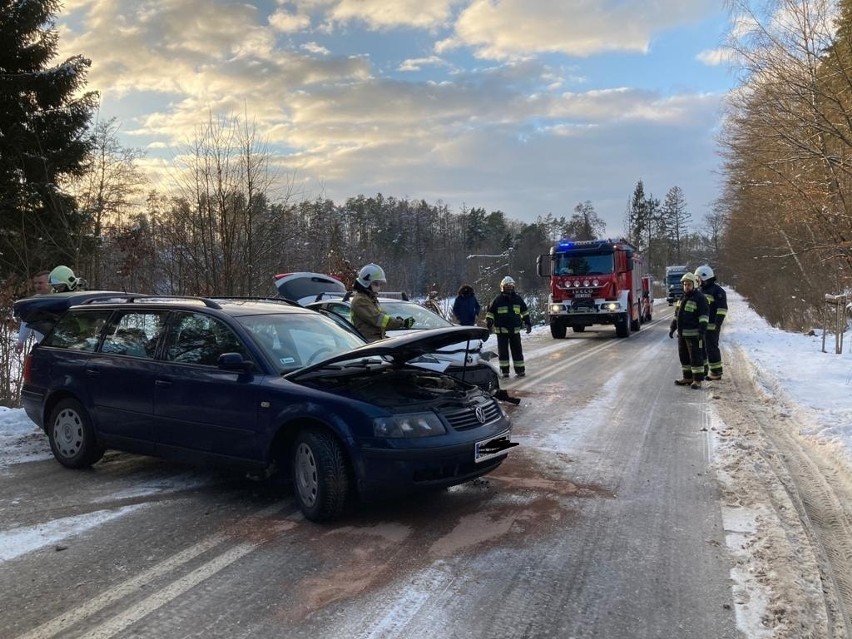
point(78, 330)
point(294, 340)
point(134, 333)
point(423, 318)
point(340, 309)
point(196, 338)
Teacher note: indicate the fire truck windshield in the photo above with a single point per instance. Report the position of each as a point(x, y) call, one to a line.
point(579, 264)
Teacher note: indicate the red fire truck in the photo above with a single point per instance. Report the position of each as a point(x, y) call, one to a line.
point(594, 282)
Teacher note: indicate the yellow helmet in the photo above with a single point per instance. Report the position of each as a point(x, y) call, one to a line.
point(692, 278)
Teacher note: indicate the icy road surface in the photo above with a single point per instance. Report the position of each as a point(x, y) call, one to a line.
point(633, 508)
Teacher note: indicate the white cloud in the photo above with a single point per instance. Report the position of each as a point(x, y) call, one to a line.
point(416, 64)
point(287, 22)
point(313, 47)
point(519, 28)
point(383, 14)
point(715, 57)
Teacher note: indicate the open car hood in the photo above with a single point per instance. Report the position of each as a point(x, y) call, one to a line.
point(404, 348)
point(305, 287)
point(41, 312)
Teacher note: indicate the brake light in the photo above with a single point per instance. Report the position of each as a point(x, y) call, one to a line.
point(28, 363)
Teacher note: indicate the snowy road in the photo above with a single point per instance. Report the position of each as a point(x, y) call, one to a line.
point(633, 508)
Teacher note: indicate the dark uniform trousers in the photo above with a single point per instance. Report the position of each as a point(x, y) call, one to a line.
point(505, 343)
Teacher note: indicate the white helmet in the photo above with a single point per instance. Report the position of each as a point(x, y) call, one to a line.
point(371, 273)
point(704, 272)
point(62, 275)
point(507, 281)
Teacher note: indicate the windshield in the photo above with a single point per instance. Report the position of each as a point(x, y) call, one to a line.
point(579, 264)
point(294, 340)
point(423, 318)
point(674, 280)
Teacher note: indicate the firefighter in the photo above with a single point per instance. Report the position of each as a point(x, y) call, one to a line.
point(690, 321)
point(717, 302)
point(506, 314)
point(367, 315)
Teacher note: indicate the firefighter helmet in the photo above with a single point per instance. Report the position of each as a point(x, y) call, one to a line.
point(691, 278)
point(62, 276)
point(704, 272)
point(507, 281)
point(371, 273)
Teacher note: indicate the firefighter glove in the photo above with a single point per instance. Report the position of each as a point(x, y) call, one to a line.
point(671, 333)
point(529, 329)
point(408, 322)
point(702, 328)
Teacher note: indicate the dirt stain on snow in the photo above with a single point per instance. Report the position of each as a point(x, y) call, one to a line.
point(359, 556)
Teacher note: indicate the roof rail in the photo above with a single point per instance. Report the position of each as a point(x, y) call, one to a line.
point(143, 297)
point(251, 298)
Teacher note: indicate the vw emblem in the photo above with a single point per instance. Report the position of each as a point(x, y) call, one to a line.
point(480, 414)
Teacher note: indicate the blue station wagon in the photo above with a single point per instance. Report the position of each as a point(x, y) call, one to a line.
point(259, 385)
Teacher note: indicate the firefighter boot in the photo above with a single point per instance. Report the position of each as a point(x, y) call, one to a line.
point(696, 384)
point(714, 376)
point(683, 382)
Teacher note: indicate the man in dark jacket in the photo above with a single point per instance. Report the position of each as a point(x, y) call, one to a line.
point(690, 321)
point(717, 302)
point(466, 307)
point(506, 314)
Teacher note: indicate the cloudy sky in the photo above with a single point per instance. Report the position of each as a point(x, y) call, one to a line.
point(523, 106)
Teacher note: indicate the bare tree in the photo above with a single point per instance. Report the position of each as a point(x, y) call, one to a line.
point(107, 196)
point(788, 151)
point(222, 228)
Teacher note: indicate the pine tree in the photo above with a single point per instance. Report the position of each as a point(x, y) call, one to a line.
point(637, 215)
point(44, 117)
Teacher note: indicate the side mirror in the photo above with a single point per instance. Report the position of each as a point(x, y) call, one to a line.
point(234, 362)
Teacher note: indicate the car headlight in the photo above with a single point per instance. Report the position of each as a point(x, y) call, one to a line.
point(556, 308)
point(612, 306)
point(409, 425)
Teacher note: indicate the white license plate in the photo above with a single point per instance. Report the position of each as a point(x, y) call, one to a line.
point(492, 447)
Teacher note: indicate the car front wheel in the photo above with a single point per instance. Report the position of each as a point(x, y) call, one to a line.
point(72, 438)
point(321, 481)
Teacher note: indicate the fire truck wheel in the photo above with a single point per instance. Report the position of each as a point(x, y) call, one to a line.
point(622, 326)
point(558, 330)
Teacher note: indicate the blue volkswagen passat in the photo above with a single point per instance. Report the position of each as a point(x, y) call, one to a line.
point(259, 385)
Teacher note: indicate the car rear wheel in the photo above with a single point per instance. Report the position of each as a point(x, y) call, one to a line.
point(72, 438)
point(321, 481)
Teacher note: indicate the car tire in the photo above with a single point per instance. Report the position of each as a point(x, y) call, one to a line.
point(71, 435)
point(321, 481)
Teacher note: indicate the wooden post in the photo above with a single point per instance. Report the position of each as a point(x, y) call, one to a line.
point(838, 302)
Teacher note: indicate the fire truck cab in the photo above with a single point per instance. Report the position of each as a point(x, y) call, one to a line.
point(593, 282)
